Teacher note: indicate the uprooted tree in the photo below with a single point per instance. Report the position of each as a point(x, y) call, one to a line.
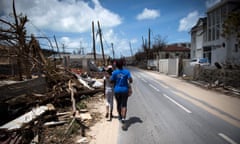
point(13, 34)
point(25, 53)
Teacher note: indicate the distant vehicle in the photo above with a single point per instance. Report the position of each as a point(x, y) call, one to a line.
point(151, 65)
point(201, 61)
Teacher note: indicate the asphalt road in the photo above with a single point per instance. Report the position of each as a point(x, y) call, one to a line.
point(158, 115)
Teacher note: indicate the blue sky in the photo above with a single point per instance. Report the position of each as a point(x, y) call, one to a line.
point(122, 21)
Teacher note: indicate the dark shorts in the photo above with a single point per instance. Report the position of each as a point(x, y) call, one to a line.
point(121, 99)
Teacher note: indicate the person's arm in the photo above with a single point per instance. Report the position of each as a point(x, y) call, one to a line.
point(130, 80)
point(104, 86)
point(112, 81)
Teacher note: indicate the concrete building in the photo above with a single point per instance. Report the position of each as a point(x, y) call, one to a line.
point(206, 36)
point(80, 61)
point(198, 37)
point(175, 51)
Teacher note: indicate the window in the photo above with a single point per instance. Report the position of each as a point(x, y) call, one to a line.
point(218, 17)
point(213, 33)
point(236, 47)
point(213, 18)
point(217, 31)
point(209, 20)
point(223, 12)
point(209, 34)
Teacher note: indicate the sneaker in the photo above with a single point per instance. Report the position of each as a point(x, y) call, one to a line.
point(123, 120)
point(119, 118)
point(124, 125)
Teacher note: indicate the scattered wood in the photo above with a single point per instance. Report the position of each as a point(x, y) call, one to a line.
point(82, 140)
point(26, 118)
point(83, 116)
point(85, 83)
point(35, 140)
point(72, 97)
point(70, 126)
point(54, 123)
point(83, 110)
point(63, 113)
point(26, 107)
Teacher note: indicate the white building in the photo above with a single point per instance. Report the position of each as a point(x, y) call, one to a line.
point(207, 40)
point(198, 36)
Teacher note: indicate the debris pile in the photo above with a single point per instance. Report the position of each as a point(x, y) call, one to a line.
point(225, 78)
point(33, 114)
point(47, 94)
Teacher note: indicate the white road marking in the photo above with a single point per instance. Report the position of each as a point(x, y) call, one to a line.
point(229, 140)
point(154, 87)
point(179, 105)
point(163, 85)
point(143, 80)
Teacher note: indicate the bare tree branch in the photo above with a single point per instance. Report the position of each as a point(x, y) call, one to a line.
point(14, 13)
point(7, 23)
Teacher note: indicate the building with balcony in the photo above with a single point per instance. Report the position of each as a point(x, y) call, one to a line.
point(206, 36)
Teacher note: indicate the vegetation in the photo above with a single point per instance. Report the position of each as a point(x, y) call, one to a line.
point(231, 26)
point(14, 34)
point(152, 52)
point(23, 51)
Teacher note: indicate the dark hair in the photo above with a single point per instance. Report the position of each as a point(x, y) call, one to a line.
point(119, 63)
point(110, 70)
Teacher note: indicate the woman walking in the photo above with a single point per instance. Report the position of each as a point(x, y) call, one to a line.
point(121, 78)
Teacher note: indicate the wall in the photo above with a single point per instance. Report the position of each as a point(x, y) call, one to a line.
point(163, 66)
point(187, 69)
point(169, 66)
point(37, 85)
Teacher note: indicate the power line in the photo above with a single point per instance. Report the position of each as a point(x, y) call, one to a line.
point(37, 29)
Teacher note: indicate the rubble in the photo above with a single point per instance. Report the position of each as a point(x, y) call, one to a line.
point(39, 94)
point(64, 96)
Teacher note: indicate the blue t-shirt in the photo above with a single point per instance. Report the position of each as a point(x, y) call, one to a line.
point(120, 78)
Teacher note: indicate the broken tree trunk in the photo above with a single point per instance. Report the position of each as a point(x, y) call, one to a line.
point(23, 120)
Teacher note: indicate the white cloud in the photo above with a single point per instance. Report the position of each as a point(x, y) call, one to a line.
point(64, 16)
point(148, 14)
point(121, 46)
point(189, 21)
point(73, 44)
point(75, 18)
point(210, 3)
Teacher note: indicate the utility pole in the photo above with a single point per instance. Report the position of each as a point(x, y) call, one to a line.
point(94, 46)
point(131, 52)
point(100, 33)
point(149, 43)
point(143, 41)
point(131, 49)
point(63, 47)
point(57, 46)
point(149, 39)
point(81, 49)
point(113, 51)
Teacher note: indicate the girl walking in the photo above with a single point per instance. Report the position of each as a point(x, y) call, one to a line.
point(108, 93)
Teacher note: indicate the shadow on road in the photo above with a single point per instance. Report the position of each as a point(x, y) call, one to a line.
point(131, 121)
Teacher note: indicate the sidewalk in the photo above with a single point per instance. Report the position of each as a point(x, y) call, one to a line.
point(104, 132)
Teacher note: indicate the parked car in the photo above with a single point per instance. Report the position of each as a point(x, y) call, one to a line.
point(201, 61)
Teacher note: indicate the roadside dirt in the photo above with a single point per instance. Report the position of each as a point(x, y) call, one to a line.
point(103, 131)
point(95, 130)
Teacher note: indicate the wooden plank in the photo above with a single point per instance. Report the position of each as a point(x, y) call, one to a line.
point(26, 118)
